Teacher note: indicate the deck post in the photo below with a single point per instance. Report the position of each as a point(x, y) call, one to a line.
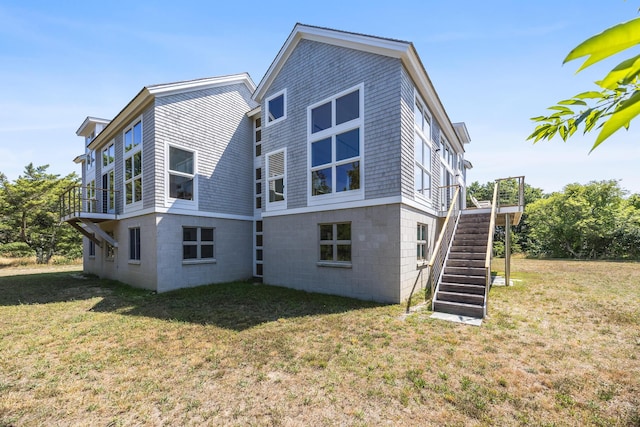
point(507, 249)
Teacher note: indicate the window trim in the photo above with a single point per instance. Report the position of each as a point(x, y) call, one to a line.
point(426, 140)
point(422, 243)
point(135, 245)
point(110, 165)
point(335, 242)
point(332, 132)
point(266, 179)
point(134, 205)
point(266, 123)
point(171, 201)
point(198, 243)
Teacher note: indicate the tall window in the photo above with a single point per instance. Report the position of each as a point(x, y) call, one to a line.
point(91, 197)
point(181, 174)
point(197, 243)
point(133, 163)
point(109, 155)
point(257, 134)
point(335, 145)
point(134, 244)
point(276, 107)
point(422, 247)
point(422, 149)
point(335, 242)
point(276, 171)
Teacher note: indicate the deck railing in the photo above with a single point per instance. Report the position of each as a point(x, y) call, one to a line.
point(80, 200)
point(441, 248)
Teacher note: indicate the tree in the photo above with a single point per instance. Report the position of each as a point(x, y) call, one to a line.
point(614, 104)
point(30, 214)
point(585, 221)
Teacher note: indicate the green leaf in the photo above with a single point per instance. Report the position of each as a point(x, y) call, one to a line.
point(607, 43)
point(561, 109)
point(621, 117)
point(622, 73)
point(589, 95)
point(572, 102)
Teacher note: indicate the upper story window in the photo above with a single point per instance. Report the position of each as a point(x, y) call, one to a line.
point(109, 155)
point(335, 146)
point(133, 136)
point(276, 179)
point(257, 136)
point(276, 106)
point(91, 159)
point(422, 149)
point(181, 174)
point(133, 163)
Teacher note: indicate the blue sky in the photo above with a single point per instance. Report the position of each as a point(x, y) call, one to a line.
point(494, 64)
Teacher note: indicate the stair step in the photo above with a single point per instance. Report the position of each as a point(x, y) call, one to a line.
point(464, 248)
point(465, 270)
point(464, 280)
point(481, 240)
point(459, 297)
point(470, 256)
point(462, 262)
point(461, 288)
point(460, 309)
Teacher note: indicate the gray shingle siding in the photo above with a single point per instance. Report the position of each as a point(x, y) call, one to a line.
point(407, 135)
point(317, 71)
point(213, 122)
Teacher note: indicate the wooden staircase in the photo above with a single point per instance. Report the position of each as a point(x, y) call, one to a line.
point(462, 288)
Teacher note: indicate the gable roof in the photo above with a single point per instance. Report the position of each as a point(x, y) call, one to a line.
point(149, 93)
point(403, 50)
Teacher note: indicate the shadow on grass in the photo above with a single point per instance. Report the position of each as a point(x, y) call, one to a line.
point(237, 306)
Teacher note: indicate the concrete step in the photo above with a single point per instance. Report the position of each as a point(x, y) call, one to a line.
point(463, 298)
point(460, 309)
point(465, 270)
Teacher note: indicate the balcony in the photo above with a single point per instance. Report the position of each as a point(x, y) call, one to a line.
point(95, 204)
point(83, 207)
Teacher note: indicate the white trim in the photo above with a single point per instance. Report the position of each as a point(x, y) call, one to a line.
point(281, 204)
point(177, 211)
point(266, 123)
point(180, 203)
point(332, 132)
point(402, 200)
point(167, 89)
point(133, 206)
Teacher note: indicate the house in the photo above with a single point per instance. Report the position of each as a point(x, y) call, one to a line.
point(334, 174)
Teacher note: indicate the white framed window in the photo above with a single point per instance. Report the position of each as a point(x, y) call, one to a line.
point(91, 159)
point(181, 171)
point(276, 108)
point(335, 243)
point(257, 136)
point(197, 243)
point(276, 181)
point(134, 244)
point(422, 150)
point(133, 163)
point(335, 147)
point(109, 155)
point(422, 243)
point(91, 197)
point(92, 247)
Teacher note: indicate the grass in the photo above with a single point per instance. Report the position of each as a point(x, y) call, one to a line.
point(561, 347)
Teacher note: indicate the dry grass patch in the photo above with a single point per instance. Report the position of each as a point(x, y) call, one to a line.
point(561, 347)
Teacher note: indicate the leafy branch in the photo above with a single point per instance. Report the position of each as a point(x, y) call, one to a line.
point(614, 105)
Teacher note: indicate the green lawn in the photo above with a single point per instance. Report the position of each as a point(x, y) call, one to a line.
point(561, 347)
